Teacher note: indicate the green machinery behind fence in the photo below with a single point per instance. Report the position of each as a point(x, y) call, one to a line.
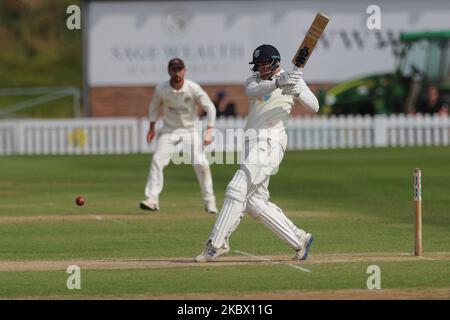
point(423, 65)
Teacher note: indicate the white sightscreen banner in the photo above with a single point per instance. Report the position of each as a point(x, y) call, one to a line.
point(130, 43)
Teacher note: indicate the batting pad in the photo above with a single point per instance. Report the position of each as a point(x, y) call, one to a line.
point(232, 210)
point(274, 219)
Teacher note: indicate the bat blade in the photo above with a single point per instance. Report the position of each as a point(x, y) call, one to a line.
point(309, 42)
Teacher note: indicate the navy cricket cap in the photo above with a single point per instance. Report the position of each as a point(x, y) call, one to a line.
point(176, 63)
point(265, 52)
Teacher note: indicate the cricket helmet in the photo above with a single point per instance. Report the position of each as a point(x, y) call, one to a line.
point(265, 52)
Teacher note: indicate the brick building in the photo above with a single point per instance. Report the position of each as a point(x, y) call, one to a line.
point(134, 101)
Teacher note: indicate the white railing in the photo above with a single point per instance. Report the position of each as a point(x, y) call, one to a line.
point(127, 135)
point(77, 136)
point(331, 132)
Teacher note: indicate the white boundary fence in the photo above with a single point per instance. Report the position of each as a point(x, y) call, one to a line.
point(127, 135)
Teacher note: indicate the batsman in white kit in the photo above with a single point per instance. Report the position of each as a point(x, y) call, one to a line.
point(179, 98)
point(271, 91)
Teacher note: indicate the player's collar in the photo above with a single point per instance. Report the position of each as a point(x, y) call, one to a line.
point(182, 89)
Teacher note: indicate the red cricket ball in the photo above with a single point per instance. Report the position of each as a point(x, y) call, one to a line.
point(79, 200)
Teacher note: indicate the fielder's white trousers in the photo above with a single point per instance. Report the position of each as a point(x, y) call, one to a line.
point(248, 192)
point(165, 146)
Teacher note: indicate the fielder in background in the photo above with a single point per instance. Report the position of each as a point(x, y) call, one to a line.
point(271, 91)
point(179, 98)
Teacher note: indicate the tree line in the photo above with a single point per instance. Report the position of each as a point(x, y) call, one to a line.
point(36, 48)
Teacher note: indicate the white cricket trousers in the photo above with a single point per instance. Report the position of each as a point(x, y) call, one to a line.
point(165, 146)
point(248, 192)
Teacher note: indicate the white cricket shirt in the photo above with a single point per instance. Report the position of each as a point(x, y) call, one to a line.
point(180, 106)
point(269, 109)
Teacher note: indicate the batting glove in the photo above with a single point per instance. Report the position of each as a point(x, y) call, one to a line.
point(288, 78)
point(294, 89)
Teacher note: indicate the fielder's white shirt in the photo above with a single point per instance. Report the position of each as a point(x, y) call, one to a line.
point(180, 106)
point(269, 109)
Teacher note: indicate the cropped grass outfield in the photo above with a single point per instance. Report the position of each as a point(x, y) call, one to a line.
point(354, 202)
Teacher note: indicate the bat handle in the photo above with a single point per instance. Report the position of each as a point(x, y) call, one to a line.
point(295, 68)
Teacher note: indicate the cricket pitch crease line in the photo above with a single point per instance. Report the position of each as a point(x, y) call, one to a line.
point(97, 217)
point(272, 262)
point(420, 257)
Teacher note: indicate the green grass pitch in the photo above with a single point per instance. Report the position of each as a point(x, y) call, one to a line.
point(357, 203)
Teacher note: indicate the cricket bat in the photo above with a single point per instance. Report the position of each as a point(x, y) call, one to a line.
point(311, 38)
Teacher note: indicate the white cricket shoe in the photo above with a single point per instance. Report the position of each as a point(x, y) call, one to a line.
point(210, 253)
point(210, 207)
point(149, 204)
point(306, 242)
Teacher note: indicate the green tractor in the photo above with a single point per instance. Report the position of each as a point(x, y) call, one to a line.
point(423, 63)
